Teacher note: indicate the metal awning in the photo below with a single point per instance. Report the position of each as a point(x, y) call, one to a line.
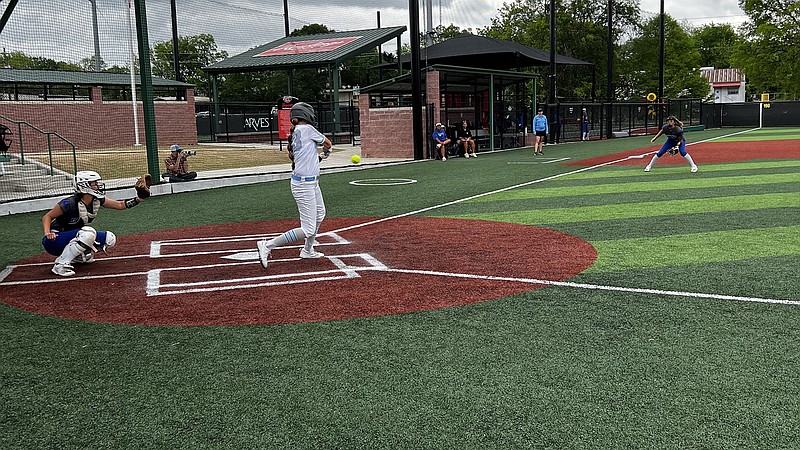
point(298, 52)
point(63, 77)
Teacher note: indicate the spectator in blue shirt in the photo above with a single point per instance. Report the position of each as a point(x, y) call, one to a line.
point(440, 138)
point(540, 129)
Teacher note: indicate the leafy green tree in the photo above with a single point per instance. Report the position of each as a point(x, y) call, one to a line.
point(87, 64)
point(716, 44)
point(768, 52)
point(682, 62)
point(19, 60)
point(581, 33)
point(195, 52)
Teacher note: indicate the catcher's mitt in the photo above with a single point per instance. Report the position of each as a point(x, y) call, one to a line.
point(142, 186)
point(674, 150)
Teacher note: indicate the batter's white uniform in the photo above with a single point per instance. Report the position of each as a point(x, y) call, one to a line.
point(305, 178)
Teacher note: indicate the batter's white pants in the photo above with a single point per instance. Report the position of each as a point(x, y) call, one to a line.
point(310, 205)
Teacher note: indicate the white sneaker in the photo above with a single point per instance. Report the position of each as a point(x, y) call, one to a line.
point(444, 158)
point(647, 169)
point(466, 155)
point(474, 155)
point(64, 270)
point(313, 254)
point(263, 253)
point(694, 169)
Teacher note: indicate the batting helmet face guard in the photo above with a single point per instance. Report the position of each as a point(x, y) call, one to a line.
point(85, 179)
point(303, 111)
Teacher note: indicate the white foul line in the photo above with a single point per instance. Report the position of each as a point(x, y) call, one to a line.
point(564, 283)
point(597, 286)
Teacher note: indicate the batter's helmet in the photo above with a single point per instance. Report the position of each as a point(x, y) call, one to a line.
point(304, 111)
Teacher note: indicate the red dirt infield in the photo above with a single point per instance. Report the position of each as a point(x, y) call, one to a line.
point(210, 275)
point(706, 153)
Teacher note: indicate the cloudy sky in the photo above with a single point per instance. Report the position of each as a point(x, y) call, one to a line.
point(47, 28)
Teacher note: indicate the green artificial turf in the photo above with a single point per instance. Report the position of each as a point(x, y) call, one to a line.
point(559, 367)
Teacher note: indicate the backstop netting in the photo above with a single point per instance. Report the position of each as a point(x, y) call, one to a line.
point(68, 101)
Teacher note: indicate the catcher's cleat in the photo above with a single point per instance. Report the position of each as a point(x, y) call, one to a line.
point(64, 270)
point(694, 169)
point(313, 254)
point(263, 253)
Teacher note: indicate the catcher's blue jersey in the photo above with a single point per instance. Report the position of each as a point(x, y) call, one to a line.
point(71, 219)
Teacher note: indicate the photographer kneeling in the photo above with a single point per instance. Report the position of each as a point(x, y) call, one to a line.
point(178, 166)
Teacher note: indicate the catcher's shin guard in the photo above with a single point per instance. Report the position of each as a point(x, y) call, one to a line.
point(82, 242)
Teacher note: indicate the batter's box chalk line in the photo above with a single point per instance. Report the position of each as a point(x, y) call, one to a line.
point(342, 271)
point(160, 249)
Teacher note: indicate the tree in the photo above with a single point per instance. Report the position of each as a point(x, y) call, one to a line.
point(87, 64)
point(640, 58)
point(768, 52)
point(19, 60)
point(581, 33)
point(195, 52)
point(716, 44)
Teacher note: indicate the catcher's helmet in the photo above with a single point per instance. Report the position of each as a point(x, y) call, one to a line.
point(83, 183)
point(304, 111)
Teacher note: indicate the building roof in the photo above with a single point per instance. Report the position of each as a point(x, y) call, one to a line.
point(297, 52)
point(469, 50)
point(25, 76)
point(454, 79)
point(723, 77)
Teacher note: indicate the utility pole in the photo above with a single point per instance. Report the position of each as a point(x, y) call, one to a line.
point(96, 36)
point(416, 78)
point(175, 54)
point(609, 83)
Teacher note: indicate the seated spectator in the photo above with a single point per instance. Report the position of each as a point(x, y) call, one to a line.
point(178, 166)
point(441, 140)
point(465, 141)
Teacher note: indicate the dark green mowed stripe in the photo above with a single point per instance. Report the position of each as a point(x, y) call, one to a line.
point(682, 249)
point(642, 209)
point(643, 186)
point(681, 223)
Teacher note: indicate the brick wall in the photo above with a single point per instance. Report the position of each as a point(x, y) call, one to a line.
point(385, 132)
point(389, 132)
point(97, 124)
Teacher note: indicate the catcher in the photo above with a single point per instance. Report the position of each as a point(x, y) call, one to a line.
point(675, 143)
point(67, 233)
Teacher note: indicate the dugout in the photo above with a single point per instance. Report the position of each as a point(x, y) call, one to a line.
point(460, 76)
point(326, 50)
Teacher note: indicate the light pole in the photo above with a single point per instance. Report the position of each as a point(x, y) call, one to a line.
point(133, 77)
point(96, 36)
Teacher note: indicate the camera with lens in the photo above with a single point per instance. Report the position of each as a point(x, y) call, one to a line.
point(188, 153)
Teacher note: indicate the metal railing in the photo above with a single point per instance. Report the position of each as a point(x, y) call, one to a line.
point(33, 166)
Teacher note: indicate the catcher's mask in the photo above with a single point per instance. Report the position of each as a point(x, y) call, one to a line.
point(303, 111)
point(83, 183)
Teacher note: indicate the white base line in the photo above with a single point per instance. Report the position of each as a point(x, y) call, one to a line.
point(598, 287)
point(567, 284)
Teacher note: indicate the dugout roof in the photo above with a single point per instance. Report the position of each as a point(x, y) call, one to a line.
point(469, 50)
point(62, 77)
point(454, 79)
point(298, 52)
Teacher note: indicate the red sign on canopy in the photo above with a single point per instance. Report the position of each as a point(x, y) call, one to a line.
point(310, 46)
